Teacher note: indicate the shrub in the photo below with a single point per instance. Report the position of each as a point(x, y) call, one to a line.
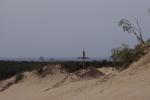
point(123, 56)
point(12, 68)
point(18, 78)
point(71, 66)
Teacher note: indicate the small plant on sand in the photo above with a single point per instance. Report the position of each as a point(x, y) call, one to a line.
point(18, 77)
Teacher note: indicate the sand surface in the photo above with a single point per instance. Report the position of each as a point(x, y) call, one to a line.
point(130, 84)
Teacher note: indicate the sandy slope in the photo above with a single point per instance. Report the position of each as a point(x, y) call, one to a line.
point(131, 84)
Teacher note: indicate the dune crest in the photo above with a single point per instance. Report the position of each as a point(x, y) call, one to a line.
point(130, 84)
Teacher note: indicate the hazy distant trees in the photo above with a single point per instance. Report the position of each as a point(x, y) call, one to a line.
point(130, 28)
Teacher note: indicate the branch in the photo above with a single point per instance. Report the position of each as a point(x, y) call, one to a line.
point(139, 26)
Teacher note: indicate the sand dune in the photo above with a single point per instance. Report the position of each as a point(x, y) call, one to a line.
point(130, 84)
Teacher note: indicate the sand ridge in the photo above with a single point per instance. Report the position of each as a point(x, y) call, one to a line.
point(130, 84)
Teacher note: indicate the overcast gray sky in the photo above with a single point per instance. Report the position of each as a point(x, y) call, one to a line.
point(63, 28)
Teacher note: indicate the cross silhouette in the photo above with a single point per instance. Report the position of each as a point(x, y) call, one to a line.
point(83, 58)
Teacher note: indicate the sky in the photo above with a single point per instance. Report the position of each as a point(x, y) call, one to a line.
point(63, 28)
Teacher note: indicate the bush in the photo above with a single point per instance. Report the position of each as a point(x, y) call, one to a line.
point(71, 66)
point(123, 56)
point(19, 77)
point(12, 68)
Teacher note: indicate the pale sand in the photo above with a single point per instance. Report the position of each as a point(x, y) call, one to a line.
point(131, 84)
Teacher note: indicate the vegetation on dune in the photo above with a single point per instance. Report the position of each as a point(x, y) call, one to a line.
point(74, 66)
point(12, 68)
point(123, 56)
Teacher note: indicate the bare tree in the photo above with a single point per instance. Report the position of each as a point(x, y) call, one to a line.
point(130, 28)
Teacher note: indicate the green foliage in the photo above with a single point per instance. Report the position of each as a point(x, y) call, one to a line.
point(99, 64)
point(11, 68)
point(123, 56)
point(71, 66)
